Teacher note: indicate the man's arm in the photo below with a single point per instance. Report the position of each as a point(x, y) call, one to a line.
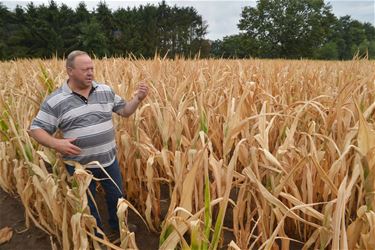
point(132, 105)
point(64, 146)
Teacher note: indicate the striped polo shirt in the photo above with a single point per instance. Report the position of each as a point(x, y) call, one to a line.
point(88, 120)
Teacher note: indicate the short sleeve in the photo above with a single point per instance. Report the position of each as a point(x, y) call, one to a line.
point(118, 103)
point(46, 119)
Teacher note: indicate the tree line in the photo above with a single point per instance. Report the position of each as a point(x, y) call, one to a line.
point(44, 31)
point(297, 29)
point(272, 29)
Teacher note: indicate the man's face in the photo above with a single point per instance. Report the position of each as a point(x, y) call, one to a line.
point(82, 72)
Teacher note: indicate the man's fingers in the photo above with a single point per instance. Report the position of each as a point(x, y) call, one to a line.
point(142, 86)
point(73, 152)
point(143, 89)
point(75, 149)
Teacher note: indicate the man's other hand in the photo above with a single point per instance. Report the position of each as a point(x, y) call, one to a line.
point(65, 146)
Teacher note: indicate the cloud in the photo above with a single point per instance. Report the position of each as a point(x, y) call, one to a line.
point(222, 17)
point(363, 11)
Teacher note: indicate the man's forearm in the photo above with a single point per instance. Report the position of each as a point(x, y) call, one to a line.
point(43, 137)
point(130, 107)
point(63, 146)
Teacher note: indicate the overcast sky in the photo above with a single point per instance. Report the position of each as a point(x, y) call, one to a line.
point(222, 16)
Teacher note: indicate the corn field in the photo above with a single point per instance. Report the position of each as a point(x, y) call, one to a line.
point(272, 152)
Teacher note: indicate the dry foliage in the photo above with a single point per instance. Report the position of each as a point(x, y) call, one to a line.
point(6, 234)
point(283, 150)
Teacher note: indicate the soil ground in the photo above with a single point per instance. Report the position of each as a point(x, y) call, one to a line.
point(12, 215)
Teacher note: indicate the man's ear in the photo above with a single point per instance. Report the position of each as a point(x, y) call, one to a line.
point(69, 71)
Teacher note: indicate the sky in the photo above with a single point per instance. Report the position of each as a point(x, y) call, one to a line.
point(222, 16)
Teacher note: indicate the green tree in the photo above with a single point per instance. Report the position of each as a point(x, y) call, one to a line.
point(351, 37)
point(81, 14)
point(5, 30)
point(181, 31)
point(235, 46)
point(93, 39)
point(371, 49)
point(27, 39)
point(165, 22)
point(67, 29)
point(147, 30)
point(287, 28)
point(370, 31)
point(103, 15)
point(48, 30)
point(327, 52)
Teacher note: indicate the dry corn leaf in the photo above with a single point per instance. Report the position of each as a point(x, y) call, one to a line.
point(6, 234)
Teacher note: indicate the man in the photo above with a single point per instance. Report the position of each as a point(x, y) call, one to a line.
point(82, 110)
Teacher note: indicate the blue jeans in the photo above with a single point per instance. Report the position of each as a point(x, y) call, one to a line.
point(112, 194)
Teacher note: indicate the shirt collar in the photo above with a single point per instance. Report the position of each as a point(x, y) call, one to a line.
point(68, 90)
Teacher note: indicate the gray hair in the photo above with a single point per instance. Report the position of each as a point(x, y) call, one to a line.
point(72, 55)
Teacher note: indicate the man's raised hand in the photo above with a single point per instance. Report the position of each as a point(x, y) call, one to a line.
point(142, 91)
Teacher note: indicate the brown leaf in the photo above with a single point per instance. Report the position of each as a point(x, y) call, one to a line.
point(6, 234)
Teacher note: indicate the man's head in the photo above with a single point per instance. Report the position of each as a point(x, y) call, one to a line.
point(80, 69)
